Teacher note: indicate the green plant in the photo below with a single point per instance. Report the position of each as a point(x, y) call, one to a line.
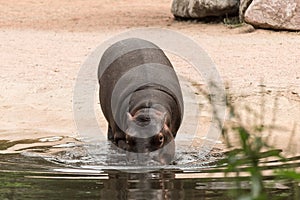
point(250, 150)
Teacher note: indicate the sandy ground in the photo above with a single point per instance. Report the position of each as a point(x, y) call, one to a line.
point(44, 43)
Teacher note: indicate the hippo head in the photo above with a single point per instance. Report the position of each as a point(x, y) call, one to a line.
point(147, 131)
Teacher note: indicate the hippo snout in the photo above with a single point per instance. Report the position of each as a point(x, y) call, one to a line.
point(144, 145)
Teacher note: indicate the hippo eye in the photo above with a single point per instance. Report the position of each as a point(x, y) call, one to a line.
point(160, 138)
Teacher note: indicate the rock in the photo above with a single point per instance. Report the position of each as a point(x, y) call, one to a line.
point(242, 28)
point(203, 8)
point(244, 4)
point(246, 28)
point(274, 14)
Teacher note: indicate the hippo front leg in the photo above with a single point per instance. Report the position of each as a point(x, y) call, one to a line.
point(119, 139)
point(110, 134)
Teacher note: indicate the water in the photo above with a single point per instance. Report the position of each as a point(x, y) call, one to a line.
point(67, 171)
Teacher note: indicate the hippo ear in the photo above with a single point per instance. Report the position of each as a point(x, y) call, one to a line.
point(166, 128)
point(165, 122)
point(129, 117)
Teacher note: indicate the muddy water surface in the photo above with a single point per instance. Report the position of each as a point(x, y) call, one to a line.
point(67, 171)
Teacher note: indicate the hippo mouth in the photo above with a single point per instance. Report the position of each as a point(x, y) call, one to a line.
point(163, 155)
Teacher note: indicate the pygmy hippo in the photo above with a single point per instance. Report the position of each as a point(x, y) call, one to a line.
point(140, 96)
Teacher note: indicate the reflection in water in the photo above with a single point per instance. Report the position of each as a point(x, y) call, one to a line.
point(154, 185)
point(23, 177)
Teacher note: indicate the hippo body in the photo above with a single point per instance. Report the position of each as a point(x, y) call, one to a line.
point(140, 95)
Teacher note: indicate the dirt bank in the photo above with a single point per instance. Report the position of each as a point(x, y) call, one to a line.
point(44, 43)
